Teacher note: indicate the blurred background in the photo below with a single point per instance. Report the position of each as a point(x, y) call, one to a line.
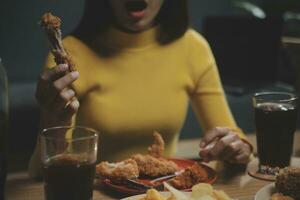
point(256, 44)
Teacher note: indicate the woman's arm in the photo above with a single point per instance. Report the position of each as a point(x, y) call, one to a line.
point(223, 140)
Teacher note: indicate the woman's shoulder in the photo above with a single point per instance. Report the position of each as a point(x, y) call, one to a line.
point(197, 43)
point(194, 36)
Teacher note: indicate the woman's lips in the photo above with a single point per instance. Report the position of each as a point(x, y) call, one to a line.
point(136, 8)
point(137, 14)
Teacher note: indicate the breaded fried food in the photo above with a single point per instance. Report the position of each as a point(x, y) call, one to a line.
point(158, 147)
point(51, 25)
point(152, 166)
point(288, 182)
point(278, 196)
point(192, 175)
point(118, 172)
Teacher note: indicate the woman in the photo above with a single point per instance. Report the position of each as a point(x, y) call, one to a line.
point(139, 66)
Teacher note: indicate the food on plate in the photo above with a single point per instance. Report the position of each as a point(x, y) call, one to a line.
point(191, 176)
point(279, 196)
point(118, 172)
point(288, 182)
point(153, 194)
point(51, 25)
point(201, 191)
point(152, 166)
point(158, 146)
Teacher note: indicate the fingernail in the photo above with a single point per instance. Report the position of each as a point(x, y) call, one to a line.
point(75, 74)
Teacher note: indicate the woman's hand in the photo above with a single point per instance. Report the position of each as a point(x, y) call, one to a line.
point(223, 144)
point(56, 98)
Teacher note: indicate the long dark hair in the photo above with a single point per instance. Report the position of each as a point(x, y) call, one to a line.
point(172, 18)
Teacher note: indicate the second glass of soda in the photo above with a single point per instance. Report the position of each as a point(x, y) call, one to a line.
point(275, 120)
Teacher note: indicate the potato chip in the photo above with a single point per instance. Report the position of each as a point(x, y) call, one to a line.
point(201, 189)
point(176, 193)
point(153, 194)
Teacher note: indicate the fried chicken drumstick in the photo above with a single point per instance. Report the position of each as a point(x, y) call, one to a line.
point(51, 24)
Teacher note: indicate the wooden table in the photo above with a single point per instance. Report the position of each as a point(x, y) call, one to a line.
point(233, 181)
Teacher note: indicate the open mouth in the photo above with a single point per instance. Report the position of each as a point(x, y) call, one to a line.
point(136, 5)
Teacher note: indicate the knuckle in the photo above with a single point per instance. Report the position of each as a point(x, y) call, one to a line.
point(223, 142)
point(69, 94)
point(216, 129)
point(64, 96)
point(67, 79)
point(56, 86)
point(232, 147)
point(235, 136)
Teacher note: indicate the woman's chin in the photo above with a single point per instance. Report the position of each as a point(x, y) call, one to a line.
point(138, 27)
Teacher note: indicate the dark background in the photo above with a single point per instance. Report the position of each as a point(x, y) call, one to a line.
point(23, 49)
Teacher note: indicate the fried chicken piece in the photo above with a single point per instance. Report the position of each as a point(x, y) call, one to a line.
point(151, 166)
point(158, 147)
point(191, 176)
point(279, 196)
point(118, 172)
point(51, 25)
point(288, 182)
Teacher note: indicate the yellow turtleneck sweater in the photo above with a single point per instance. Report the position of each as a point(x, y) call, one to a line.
point(146, 87)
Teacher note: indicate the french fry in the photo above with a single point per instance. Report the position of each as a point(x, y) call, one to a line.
point(201, 191)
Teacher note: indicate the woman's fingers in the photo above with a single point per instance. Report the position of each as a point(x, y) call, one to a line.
point(71, 109)
point(54, 73)
point(65, 81)
point(53, 94)
point(217, 132)
point(63, 99)
point(224, 144)
point(231, 148)
point(244, 155)
point(222, 148)
point(45, 92)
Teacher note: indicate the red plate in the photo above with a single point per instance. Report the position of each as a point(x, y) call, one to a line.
point(182, 164)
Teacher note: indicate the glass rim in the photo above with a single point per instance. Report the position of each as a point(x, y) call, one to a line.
point(292, 96)
point(94, 133)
